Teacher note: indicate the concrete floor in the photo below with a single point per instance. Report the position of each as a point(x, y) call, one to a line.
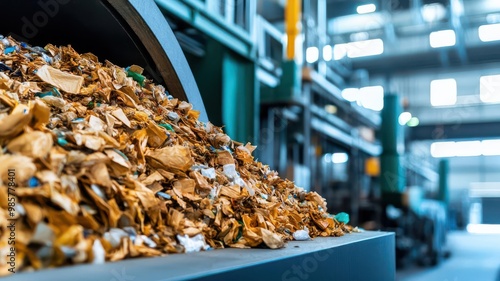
point(474, 257)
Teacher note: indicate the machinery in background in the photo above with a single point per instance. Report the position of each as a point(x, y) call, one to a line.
point(418, 218)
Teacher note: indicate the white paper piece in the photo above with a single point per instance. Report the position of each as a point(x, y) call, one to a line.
point(98, 252)
point(114, 236)
point(193, 244)
point(65, 81)
point(301, 235)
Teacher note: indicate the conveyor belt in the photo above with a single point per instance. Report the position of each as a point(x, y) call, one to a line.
point(122, 31)
point(353, 257)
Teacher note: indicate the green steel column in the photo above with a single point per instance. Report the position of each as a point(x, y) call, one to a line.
point(393, 177)
point(229, 89)
point(392, 136)
point(240, 98)
point(290, 86)
point(207, 71)
point(444, 170)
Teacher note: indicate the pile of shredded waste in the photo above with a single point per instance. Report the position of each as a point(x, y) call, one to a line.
point(105, 165)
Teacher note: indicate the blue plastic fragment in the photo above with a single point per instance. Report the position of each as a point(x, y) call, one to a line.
point(56, 93)
point(47, 58)
point(78, 120)
point(24, 44)
point(62, 141)
point(9, 50)
point(4, 67)
point(342, 217)
point(33, 182)
point(87, 233)
point(164, 195)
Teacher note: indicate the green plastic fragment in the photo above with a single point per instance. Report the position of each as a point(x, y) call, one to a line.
point(342, 217)
point(167, 126)
point(54, 92)
point(240, 232)
point(137, 77)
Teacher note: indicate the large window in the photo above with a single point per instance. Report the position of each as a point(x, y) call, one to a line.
point(443, 92)
point(489, 87)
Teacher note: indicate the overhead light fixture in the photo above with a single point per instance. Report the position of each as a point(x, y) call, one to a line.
point(483, 228)
point(365, 48)
point(490, 147)
point(433, 12)
point(330, 108)
point(312, 54)
point(414, 122)
point(404, 118)
point(372, 97)
point(489, 88)
point(327, 53)
point(443, 92)
point(350, 94)
point(468, 148)
point(339, 51)
point(339, 158)
point(443, 149)
point(366, 9)
point(489, 32)
point(442, 38)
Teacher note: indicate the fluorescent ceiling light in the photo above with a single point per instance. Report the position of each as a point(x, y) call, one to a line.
point(404, 118)
point(339, 158)
point(489, 88)
point(483, 228)
point(443, 38)
point(372, 97)
point(433, 12)
point(350, 94)
point(489, 32)
point(312, 54)
point(468, 148)
point(490, 147)
point(327, 53)
point(443, 149)
point(365, 9)
point(365, 48)
point(465, 148)
point(339, 51)
point(443, 92)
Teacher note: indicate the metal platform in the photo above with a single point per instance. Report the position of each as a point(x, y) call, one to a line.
point(357, 256)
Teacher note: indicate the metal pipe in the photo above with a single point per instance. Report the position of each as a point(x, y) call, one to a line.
point(292, 21)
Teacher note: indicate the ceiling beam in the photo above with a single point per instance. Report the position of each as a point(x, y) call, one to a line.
point(482, 130)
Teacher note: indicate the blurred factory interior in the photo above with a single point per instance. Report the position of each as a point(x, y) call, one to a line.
point(390, 109)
